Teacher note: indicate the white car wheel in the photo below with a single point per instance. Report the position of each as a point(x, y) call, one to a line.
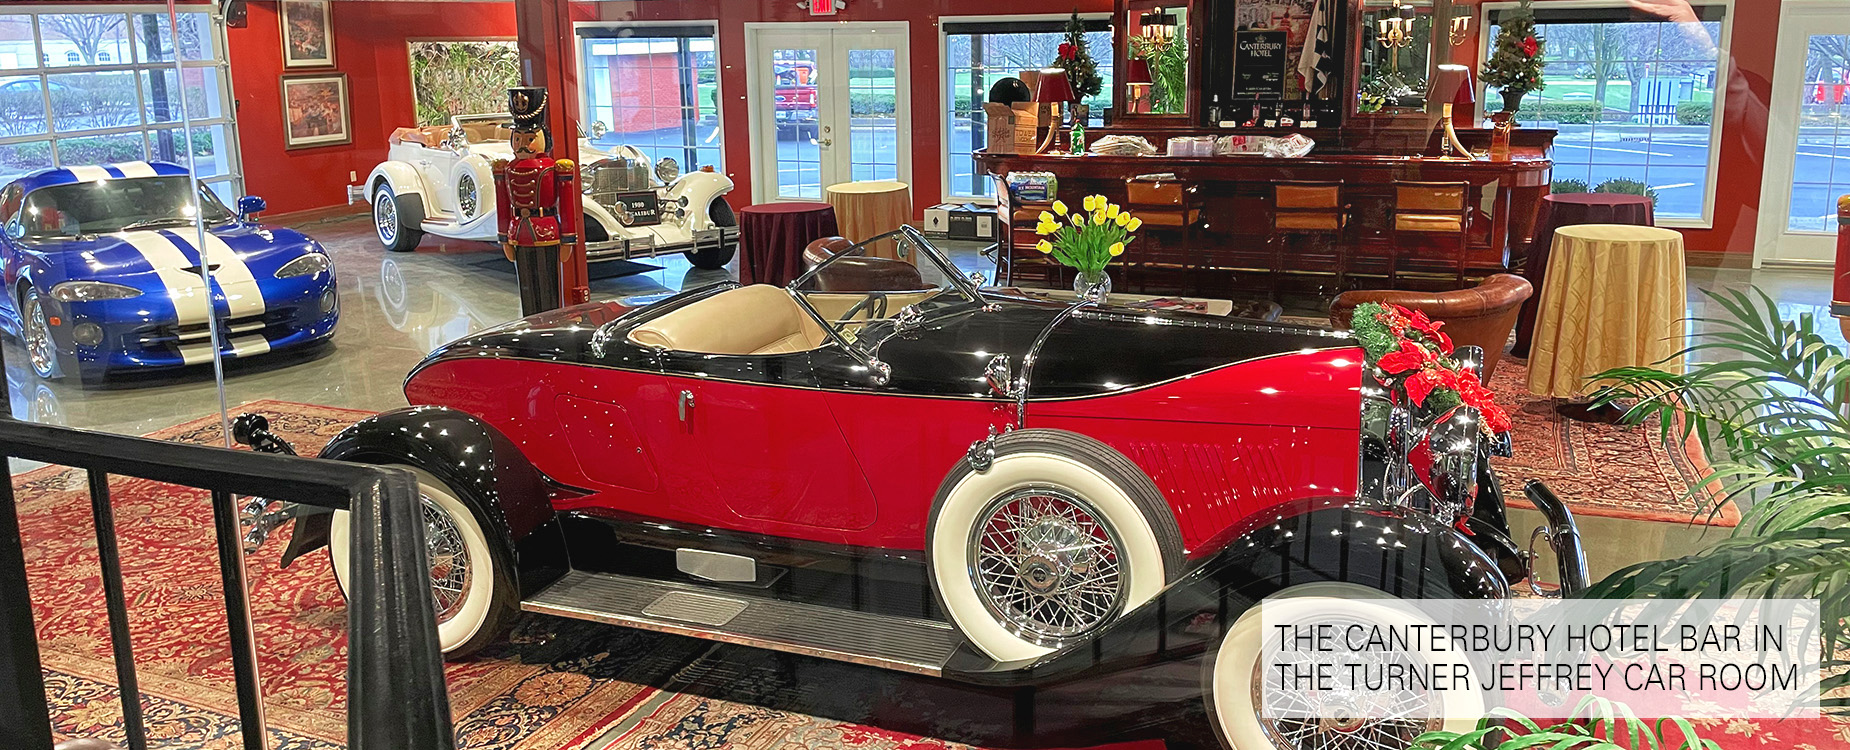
point(463, 579)
point(393, 230)
point(1056, 539)
point(1235, 690)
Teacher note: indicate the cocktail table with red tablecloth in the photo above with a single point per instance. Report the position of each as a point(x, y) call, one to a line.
point(772, 237)
point(1564, 210)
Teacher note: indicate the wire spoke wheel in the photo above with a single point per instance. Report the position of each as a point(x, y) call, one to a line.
point(39, 349)
point(385, 217)
point(1046, 565)
point(1385, 719)
point(449, 560)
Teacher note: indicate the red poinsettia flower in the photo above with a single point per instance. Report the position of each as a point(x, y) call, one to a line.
point(1530, 46)
point(1067, 51)
point(1409, 356)
point(1423, 383)
point(1392, 317)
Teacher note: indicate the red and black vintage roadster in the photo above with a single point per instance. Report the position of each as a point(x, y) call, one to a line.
point(935, 478)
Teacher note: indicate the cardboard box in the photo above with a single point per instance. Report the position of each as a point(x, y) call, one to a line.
point(1010, 126)
point(961, 222)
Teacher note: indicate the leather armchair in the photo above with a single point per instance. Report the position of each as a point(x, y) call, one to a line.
point(859, 273)
point(1481, 316)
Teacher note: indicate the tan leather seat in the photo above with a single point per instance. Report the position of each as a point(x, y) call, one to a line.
point(753, 320)
point(1482, 316)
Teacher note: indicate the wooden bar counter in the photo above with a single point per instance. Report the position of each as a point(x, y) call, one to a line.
point(1234, 231)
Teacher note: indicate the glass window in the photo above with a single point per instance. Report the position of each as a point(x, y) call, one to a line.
point(979, 53)
point(1633, 100)
point(84, 38)
point(654, 88)
point(1821, 165)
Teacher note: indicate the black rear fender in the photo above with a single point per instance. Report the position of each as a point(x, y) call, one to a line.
point(476, 461)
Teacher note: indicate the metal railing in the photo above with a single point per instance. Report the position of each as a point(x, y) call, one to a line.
point(396, 699)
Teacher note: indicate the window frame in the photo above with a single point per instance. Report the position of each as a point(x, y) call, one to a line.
point(217, 67)
point(945, 109)
point(1724, 61)
point(719, 82)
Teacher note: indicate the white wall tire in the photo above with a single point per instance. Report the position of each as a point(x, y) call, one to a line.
point(1146, 545)
point(398, 233)
point(485, 597)
point(1232, 703)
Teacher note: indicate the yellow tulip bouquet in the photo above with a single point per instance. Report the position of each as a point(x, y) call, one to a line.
point(1086, 240)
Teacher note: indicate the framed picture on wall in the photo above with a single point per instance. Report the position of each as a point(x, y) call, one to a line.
point(315, 110)
point(308, 40)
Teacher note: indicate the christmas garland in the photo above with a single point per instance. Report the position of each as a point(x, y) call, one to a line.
point(1408, 351)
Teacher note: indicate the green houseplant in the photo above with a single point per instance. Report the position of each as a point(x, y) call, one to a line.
point(1596, 724)
point(1768, 394)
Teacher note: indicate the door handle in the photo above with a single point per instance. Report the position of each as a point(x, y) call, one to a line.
point(825, 142)
point(685, 402)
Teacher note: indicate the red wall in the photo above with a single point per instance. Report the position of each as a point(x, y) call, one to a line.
point(369, 46)
point(1749, 59)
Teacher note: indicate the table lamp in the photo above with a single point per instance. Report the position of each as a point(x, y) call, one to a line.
point(1137, 74)
point(1451, 85)
point(1052, 88)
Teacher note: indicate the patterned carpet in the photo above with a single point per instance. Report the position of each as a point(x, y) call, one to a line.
point(1598, 469)
point(555, 683)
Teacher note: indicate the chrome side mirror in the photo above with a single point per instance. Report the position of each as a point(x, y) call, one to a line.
point(978, 279)
point(1000, 377)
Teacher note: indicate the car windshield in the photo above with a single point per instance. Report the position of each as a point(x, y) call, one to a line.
point(858, 291)
point(106, 206)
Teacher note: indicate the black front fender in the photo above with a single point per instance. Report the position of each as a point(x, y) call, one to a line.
point(476, 461)
point(1401, 552)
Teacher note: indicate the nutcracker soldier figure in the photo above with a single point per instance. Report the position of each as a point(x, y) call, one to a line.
point(530, 189)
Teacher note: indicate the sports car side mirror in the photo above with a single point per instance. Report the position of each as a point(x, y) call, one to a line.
point(249, 206)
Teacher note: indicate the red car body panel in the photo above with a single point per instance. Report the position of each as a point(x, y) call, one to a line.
point(861, 468)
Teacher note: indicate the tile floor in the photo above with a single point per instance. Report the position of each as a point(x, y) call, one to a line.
point(396, 308)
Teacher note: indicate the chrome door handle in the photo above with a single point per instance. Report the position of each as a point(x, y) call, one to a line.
point(684, 403)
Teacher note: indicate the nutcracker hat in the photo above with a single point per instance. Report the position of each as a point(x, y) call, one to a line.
point(528, 106)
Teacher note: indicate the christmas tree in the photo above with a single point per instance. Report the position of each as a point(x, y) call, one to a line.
point(1515, 64)
point(1076, 60)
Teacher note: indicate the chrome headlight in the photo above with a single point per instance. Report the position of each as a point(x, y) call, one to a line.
point(92, 291)
point(309, 264)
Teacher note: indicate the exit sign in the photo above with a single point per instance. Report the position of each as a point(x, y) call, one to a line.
point(822, 7)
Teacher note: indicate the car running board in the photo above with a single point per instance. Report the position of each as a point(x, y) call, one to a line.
point(885, 641)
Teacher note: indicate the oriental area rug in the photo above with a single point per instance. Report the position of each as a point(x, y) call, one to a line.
point(554, 684)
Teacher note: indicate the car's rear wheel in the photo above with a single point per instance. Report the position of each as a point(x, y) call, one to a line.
point(473, 590)
point(711, 258)
point(393, 233)
point(35, 330)
point(1055, 539)
point(1237, 694)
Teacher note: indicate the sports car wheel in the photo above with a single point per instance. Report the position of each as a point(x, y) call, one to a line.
point(41, 351)
point(1236, 689)
point(711, 258)
point(474, 593)
point(393, 233)
point(1050, 543)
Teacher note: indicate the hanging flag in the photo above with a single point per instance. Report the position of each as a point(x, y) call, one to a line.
point(1315, 64)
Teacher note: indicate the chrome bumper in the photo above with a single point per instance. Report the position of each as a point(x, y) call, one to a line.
point(626, 249)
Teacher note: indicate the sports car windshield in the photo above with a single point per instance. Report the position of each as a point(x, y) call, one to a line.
point(107, 206)
point(861, 289)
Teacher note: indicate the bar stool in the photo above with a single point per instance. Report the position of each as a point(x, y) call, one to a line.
point(1164, 201)
point(1315, 208)
point(1427, 209)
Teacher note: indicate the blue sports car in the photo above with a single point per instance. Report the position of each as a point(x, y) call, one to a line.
point(102, 266)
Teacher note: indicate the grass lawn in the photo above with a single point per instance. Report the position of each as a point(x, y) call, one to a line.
point(1618, 93)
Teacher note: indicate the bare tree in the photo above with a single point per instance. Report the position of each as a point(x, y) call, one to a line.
point(85, 30)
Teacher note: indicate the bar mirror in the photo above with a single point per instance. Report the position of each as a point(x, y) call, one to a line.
point(1154, 38)
point(1396, 56)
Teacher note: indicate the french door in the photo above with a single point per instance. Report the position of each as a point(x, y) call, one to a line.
point(830, 103)
point(1808, 135)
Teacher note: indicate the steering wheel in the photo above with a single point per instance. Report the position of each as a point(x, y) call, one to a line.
point(874, 303)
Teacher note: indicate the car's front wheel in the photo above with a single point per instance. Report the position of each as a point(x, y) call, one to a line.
point(1054, 539)
point(475, 592)
point(393, 232)
point(710, 258)
point(1391, 718)
point(35, 330)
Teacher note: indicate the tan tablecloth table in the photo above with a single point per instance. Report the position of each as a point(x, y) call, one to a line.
point(871, 208)
point(1614, 296)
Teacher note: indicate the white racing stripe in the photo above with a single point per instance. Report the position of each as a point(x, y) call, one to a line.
point(89, 173)
point(135, 169)
point(196, 352)
point(243, 297)
point(245, 346)
point(192, 303)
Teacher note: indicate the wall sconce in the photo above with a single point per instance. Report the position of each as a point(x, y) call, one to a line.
point(1461, 29)
point(1395, 29)
point(1158, 25)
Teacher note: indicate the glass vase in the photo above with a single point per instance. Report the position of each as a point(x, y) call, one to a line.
point(1095, 285)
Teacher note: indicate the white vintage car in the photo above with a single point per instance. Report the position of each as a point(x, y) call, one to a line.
point(438, 180)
